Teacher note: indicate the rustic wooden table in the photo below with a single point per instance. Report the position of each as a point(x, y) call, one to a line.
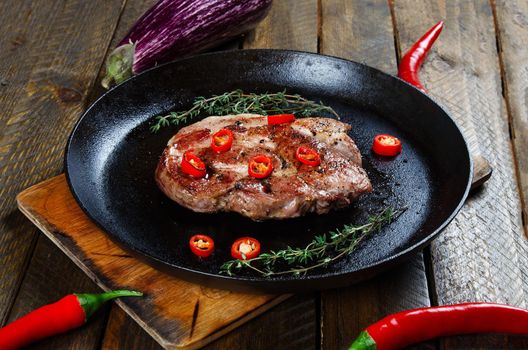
point(51, 57)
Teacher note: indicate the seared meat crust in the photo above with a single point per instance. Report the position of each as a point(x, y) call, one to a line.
point(292, 190)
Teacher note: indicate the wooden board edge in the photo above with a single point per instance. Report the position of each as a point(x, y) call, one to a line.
point(46, 229)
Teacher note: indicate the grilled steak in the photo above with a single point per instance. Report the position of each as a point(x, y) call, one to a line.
point(293, 189)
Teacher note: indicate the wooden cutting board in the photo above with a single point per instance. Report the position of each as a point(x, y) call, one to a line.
point(178, 314)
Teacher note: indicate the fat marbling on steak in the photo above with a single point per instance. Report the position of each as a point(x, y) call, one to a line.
point(292, 190)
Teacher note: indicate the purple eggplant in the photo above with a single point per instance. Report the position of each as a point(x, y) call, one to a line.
point(178, 28)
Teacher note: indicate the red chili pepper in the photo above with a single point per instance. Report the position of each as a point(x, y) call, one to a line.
point(260, 166)
point(68, 313)
point(222, 141)
point(280, 118)
point(192, 165)
point(412, 60)
point(413, 326)
point(201, 245)
point(386, 145)
point(245, 248)
point(308, 156)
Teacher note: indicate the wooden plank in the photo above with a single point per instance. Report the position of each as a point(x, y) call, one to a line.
point(483, 254)
point(359, 31)
point(50, 276)
point(278, 328)
point(290, 325)
point(49, 60)
point(178, 314)
point(290, 24)
point(484, 246)
point(88, 336)
point(512, 30)
point(293, 324)
point(124, 333)
point(362, 31)
point(347, 311)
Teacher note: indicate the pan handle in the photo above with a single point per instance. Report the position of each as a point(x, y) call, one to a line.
point(481, 171)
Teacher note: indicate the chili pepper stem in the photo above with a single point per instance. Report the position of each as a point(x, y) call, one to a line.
point(363, 342)
point(92, 302)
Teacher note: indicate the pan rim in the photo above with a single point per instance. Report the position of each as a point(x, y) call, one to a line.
point(261, 283)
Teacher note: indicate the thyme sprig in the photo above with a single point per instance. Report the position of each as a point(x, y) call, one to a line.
point(237, 102)
point(320, 252)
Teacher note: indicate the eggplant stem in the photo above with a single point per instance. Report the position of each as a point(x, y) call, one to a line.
point(119, 65)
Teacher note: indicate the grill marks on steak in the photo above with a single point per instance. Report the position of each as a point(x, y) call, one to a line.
point(292, 190)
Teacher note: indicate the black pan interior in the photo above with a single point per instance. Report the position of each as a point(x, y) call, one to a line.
point(111, 157)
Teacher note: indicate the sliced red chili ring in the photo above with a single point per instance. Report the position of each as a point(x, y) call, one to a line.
point(222, 140)
point(201, 245)
point(245, 248)
point(386, 145)
point(260, 166)
point(280, 118)
point(192, 165)
point(308, 156)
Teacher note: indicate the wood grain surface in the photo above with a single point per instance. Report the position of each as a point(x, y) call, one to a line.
point(51, 62)
point(123, 332)
point(289, 325)
point(347, 31)
point(511, 20)
point(290, 24)
point(50, 57)
point(483, 254)
point(176, 313)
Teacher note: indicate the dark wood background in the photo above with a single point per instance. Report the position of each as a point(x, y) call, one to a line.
point(51, 58)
